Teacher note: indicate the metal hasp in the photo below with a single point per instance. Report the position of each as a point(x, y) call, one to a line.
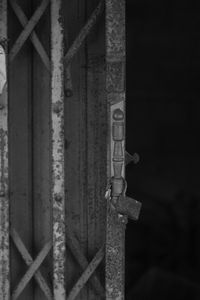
point(58, 178)
point(118, 205)
point(4, 198)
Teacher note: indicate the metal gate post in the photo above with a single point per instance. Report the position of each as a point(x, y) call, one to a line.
point(115, 87)
point(57, 118)
point(119, 207)
point(4, 197)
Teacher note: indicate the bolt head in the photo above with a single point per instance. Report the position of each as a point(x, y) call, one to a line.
point(118, 114)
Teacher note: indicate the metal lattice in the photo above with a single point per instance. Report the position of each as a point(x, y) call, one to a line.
point(118, 204)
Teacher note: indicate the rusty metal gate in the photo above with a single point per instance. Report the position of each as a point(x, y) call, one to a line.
point(63, 208)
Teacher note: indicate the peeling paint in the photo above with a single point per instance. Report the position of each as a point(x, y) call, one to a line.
point(58, 146)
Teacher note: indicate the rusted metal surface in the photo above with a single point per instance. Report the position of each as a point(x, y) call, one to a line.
point(4, 197)
point(87, 274)
point(115, 87)
point(58, 176)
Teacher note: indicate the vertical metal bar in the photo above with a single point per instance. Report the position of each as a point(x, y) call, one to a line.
point(57, 119)
point(4, 199)
point(115, 88)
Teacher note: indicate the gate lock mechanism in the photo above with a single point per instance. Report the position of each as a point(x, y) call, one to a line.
point(116, 193)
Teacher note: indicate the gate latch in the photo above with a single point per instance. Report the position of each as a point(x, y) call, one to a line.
point(116, 193)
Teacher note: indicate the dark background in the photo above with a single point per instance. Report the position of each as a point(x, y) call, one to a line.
point(163, 126)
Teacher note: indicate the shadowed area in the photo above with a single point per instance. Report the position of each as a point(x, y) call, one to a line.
point(163, 126)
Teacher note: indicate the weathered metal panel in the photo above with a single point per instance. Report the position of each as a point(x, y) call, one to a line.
point(96, 141)
point(42, 205)
point(20, 151)
point(85, 121)
point(4, 196)
point(58, 176)
point(115, 87)
point(75, 146)
point(86, 129)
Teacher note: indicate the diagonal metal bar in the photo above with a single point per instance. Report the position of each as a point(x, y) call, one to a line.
point(35, 40)
point(83, 33)
point(31, 271)
point(28, 29)
point(76, 45)
point(87, 274)
point(28, 260)
point(75, 249)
